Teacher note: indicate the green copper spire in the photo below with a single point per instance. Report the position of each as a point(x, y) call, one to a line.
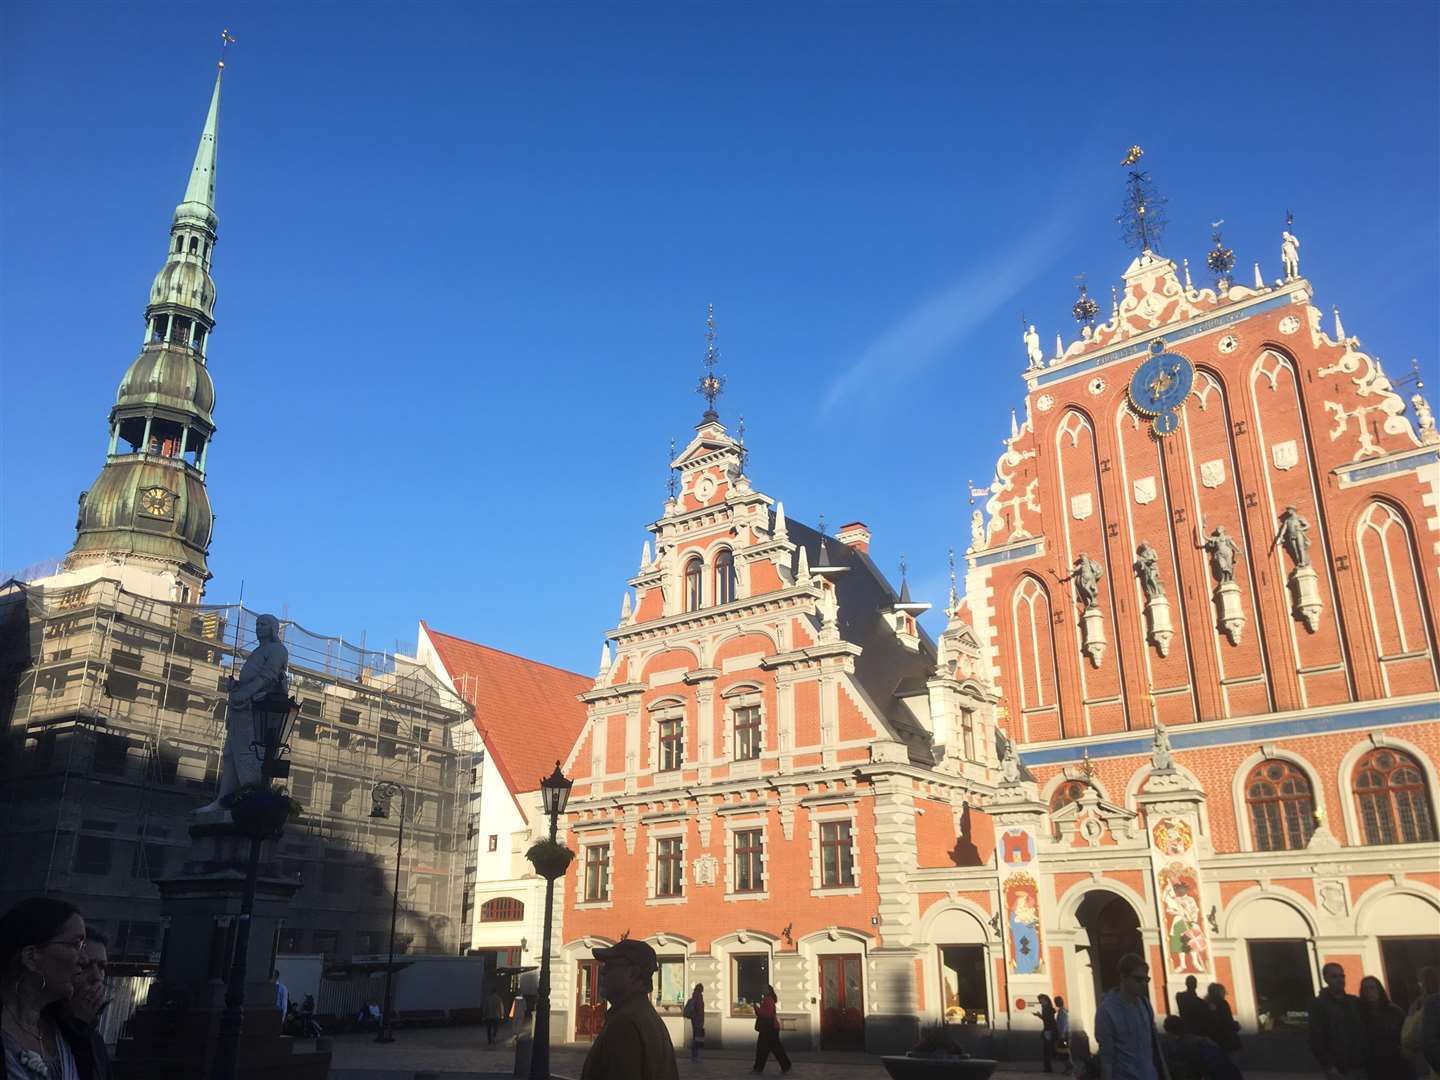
point(199, 199)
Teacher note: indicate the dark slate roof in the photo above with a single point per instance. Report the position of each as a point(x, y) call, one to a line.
point(886, 670)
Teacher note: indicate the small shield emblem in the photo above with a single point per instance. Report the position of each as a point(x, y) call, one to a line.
point(1212, 473)
point(1081, 506)
point(1285, 455)
point(1145, 490)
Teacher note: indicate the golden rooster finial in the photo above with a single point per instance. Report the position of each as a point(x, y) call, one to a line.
point(1134, 155)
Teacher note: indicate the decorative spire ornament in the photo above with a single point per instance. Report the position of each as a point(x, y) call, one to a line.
point(1220, 259)
point(625, 608)
point(1085, 309)
point(954, 590)
point(782, 532)
point(1259, 279)
point(1189, 286)
point(645, 559)
point(744, 453)
point(1142, 217)
point(1339, 326)
point(712, 384)
point(672, 484)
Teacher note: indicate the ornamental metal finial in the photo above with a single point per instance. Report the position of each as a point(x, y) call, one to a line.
point(226, 39)
point(711, 384)
point(1142, 218)
point(904, 568)
point(954, 585)
point(672, 483)
point(1220, 259)
point(1085, 308)
point(744, 453)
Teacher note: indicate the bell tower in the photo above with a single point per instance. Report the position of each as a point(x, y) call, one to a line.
point(146, 520)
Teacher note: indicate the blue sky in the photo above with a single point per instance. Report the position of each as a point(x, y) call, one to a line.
point(465, 252)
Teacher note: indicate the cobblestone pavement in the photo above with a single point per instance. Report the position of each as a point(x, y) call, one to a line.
point(461, 1054)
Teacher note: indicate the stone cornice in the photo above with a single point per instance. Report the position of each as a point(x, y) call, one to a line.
point(605, 693)
point(737, 609)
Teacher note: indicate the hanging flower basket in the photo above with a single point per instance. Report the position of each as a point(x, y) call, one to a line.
point(550, 858)
point(261, 811)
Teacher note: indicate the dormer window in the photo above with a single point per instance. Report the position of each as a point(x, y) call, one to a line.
point(694, 584)
point(724, 577)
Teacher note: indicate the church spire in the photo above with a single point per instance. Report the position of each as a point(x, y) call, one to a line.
point(712, 384)
point(147, 519)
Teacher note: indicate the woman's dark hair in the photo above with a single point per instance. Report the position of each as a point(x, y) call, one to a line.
point(1130, 963)
point(1384, 997)
point(32, 921)
point(1044, 999)
point(1059, 1002)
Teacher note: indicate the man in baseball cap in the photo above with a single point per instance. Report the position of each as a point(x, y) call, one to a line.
point(634, 1043)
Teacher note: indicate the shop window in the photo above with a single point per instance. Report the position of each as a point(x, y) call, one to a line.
point(502, 909)
point(750, 860)
point(724, 577)
point(962, 985)
point(749, 975)
point(669, 866)
point(1284, 985)
point(837, 866)
point(597, 873)
point(672, 744)
point(670, 984)
point(694, 584)
point(748, 743)
point(1392, 799)
point(1281, 806)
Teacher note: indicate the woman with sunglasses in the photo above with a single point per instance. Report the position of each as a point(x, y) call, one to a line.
point(42, 957)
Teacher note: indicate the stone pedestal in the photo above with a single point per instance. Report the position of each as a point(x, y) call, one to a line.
point(1230, 617)
point(1092, 634)
point(173, 1036)
point(1157, 611)
point(1305, 595)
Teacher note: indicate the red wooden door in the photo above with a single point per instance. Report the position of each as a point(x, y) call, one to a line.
point(842, 1006)
point(589, 1005)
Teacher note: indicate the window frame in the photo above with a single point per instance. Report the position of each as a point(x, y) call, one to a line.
point(693, 578)
point(736, 1006)
point(1387, 795)
point(1293, 811)
point(749, 860)
point(502, 909)
point(850, 878)
point(670, 748)
point(602, 865)
point(723, 574)
point(669, 856)
point(754, 724)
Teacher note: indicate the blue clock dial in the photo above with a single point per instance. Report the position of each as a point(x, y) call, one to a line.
point(1161, 384)
point(1166, 423)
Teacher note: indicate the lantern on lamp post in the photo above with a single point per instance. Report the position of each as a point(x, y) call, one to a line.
point(550, 861)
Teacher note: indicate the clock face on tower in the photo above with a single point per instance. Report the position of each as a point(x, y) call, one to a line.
point(1160, 386)
point(157, 502)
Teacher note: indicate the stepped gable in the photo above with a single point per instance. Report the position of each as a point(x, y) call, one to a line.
point(528, 713)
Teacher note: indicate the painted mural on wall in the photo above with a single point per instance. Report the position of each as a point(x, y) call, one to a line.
point(1185, 941)
point(1173, 836)
point(1016, 847)
point(1022, 916)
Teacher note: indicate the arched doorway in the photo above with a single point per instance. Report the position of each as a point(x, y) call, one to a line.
point(1112, 929)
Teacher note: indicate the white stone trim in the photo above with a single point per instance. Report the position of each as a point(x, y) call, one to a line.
point(1268, 752)
point(1374, 739)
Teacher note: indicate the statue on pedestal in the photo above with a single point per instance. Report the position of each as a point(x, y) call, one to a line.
point(1086, 573)
point(1222, 551)
point(1161, 757)
point(262, 675)
point(1294, 536)
point(1033, 353)
point(1290, 254)
point(1147, 568)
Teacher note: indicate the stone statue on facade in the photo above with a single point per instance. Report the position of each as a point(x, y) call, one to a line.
point(1290, 254)
point(1010, 763)
point(1424, 418)
point(1033, 353)
point(1086, 573)
point(1147, 569)
point(262, 675)
point(1294, 536)
point(977, 529)
point(1222, 551)
point(1161, 757)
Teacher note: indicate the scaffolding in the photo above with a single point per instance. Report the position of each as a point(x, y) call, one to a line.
point(114, 707)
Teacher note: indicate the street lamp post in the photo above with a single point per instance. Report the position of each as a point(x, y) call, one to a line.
point(261, 816)
point(381, 795)
point(555, 791)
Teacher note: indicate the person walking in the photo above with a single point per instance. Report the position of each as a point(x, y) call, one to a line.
point(1125, 1026)
point(1383, 1019)
point(1048, 1033)
point(42, 964)
point(492, 1013)
point(633, 1043)
point(1062, 1027)
point(1193, 1009)
point(767, 1042)
point(1226, 1027)
point(1337, 1030)
point(694, 1011)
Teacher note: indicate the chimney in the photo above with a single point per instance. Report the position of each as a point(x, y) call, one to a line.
point(855, 535)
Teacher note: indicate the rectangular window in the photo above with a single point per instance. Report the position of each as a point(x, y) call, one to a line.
point(837, 868)
point(747, 733)
point(749, 860)
point(670, 983)
point(962, 984)
point(110, 754)
point(749, 975)
point(669, 861)
point(493, 844)
point(597, 873)
point(672, 744)
point(92, 855)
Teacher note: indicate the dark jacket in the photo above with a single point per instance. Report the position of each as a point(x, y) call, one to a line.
point(633, 1045)
point(1430, 1033)
point(1383, 1022)
point(1227, 1031)
point(1195, 1011)
point(1337, 1031)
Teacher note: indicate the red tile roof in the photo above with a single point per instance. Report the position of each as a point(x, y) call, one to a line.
point(527, 712)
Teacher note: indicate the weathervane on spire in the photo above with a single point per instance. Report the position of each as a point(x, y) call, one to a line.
point(672, 482)
point(226, 40)
point(1142, 219)
point(711, 384)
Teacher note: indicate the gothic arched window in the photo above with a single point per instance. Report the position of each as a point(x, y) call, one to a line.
point(694, 584)
point(724, 577)
point(1282, 806)
point(1390, 794)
